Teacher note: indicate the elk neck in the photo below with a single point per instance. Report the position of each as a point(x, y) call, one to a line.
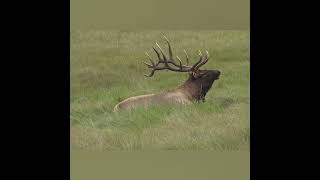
point(195, 89)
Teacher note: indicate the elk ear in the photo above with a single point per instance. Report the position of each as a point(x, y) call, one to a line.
point(194, 75)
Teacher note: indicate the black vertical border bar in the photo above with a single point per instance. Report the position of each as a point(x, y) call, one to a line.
point(66, 87)
point(64, 76)
point(253, 132)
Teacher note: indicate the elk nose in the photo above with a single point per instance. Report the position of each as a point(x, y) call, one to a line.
point(219, 72)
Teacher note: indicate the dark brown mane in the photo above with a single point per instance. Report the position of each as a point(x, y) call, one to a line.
point(196, 89)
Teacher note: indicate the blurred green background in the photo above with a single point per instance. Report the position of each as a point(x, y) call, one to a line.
point(160, 14)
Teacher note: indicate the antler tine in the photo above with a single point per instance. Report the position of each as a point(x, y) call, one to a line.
point(164, 56)
point(180, 62)
point(149, 65)
point(171, 60)
point(203, 62)
point(169, 47)
point(187, 57)
point(207, 54)
point(159, 57)
point(196, 64)
point(150, 59)
point(151, 73)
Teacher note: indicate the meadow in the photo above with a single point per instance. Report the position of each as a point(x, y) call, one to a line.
point(107, 67)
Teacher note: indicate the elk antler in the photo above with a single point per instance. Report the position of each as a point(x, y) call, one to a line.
point(167, 62)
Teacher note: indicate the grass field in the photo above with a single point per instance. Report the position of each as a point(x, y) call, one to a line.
point(106, 67)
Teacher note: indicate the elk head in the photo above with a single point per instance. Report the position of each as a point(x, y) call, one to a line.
point(199, 81)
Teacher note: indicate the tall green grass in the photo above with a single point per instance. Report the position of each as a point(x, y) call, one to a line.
point(106, 67)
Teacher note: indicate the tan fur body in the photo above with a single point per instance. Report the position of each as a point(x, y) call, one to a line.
point(178, 96)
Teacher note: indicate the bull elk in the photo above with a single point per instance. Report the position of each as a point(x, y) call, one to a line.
point(194, 89)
